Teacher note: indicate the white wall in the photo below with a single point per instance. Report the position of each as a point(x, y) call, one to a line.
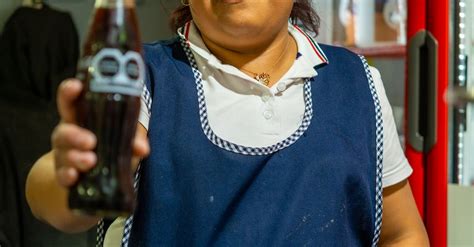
point(325, 10)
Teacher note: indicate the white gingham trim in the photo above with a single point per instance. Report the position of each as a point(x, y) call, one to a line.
point(379, 154)
point(229, 146)
point(100, 234)
point(146, 98)
point(129, 222)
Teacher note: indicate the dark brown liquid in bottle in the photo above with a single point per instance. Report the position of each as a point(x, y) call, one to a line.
point(107, 189)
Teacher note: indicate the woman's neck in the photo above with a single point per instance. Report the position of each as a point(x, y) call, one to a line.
point(273, 57)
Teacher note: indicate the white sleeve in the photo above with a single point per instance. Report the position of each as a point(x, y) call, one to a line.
point(395, 165)
point(114, 234)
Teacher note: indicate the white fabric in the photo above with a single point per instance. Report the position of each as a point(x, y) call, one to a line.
point(245, 112)
point(395, 165)
point(113, 236)
point(264, 116)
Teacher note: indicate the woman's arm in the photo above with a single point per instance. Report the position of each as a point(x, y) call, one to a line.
point(401, 222)
point(48, 199)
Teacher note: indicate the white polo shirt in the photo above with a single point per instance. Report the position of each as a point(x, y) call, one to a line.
point(245, 112)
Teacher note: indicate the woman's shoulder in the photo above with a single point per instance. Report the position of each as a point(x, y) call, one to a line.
point(160, 45)
point(166, 57)
point(338, 52)
point(342, 59)
point(164, 50)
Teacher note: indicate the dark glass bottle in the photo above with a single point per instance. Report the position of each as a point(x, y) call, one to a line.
point(112, 71)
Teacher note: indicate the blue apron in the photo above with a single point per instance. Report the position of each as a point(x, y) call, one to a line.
point(320, 187)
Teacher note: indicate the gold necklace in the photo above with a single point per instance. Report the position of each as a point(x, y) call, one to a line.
point(264, 77)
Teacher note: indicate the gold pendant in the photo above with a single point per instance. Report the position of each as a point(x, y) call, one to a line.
point(263, 78)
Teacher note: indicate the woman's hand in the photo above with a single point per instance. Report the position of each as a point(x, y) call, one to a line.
point(51, 176)
point(73, 146)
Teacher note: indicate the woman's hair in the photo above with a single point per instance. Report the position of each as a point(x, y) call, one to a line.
point(302, 14)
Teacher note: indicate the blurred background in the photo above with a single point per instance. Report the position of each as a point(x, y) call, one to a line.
point(40, 43)
point(421, 48)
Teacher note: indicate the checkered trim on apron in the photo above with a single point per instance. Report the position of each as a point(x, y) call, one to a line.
point(229, 146)
point(146, 98)
point(128, 223)
point(100, 234)
point(379, 154)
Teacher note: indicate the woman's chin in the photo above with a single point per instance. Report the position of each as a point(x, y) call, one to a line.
point(230, 1)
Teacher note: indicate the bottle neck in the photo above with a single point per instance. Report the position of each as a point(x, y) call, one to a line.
point(114, 3)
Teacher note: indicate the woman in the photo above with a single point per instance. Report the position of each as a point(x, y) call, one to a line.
point(258, 136)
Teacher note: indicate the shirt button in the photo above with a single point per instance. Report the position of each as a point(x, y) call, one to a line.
point(268, 114)
point(266, 98)
point(281, 87)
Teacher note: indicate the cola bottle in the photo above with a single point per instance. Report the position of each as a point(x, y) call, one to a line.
point(112, 72)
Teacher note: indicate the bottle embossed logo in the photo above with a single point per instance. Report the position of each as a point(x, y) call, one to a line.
point(114, 72)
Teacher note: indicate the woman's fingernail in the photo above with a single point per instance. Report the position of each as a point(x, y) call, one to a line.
point(68, 84)
point(142, 145)
point(90, 158)
point(71, 83)
point(87, 140)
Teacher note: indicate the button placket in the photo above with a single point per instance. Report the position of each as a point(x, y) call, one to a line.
point(271, 118)
point(267, 99)
point(268, 114)
point(281, 87)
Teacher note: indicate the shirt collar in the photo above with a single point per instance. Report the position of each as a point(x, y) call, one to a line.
point(309, 52)
point(191, 35)
point(308, 47)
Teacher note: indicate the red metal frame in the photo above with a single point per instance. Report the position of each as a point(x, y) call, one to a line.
point(416, 23)
point(437, 159)
point(429, 180)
